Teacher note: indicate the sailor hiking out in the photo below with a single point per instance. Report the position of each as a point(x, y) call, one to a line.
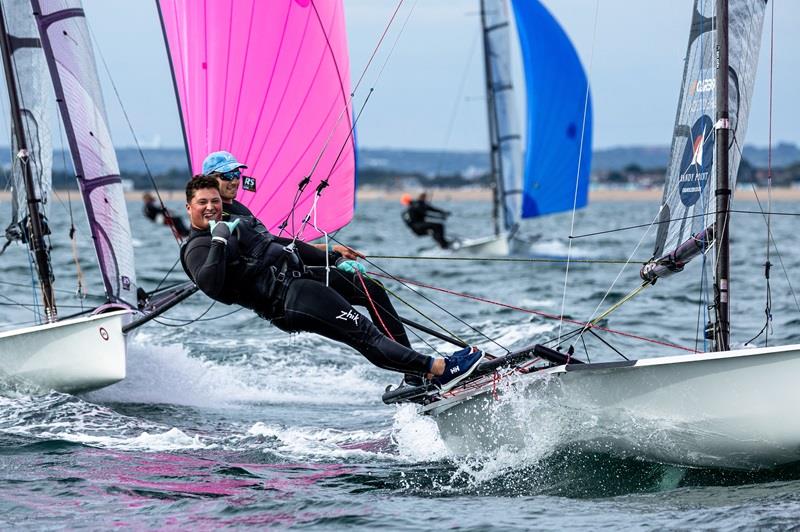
point(239, 262)
point(425, 219)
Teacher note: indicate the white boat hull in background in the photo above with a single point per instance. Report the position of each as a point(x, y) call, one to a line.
point(75, 355)
point(734, 409)
point(491, 246)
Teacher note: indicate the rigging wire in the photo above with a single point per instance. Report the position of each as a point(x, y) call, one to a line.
point(303, 182)
point(139, 150)
point(580, 159)
point(388, 275)
point(505, 259)
point(324, 183)
point(767, 264)
point(584, 326)
point(459, 99)
point(670, 220)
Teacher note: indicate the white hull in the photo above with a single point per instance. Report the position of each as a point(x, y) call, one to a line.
point(491, 246)
point(735, 409)
point(71, 356)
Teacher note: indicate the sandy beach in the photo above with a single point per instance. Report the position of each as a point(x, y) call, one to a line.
point(477, 194)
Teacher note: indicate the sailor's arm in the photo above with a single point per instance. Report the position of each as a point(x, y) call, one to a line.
point(430, 209)
point(205, 262)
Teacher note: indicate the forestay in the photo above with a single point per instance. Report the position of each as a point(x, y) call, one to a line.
point(67, 47)
point(559, 115)
point(688, 202)
point(35, 95)
point(269, 81)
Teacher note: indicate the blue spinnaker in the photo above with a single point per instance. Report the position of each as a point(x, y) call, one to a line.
point(559, 115)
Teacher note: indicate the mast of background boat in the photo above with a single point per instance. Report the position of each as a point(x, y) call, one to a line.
point(723, 192)
point(36, 238)
point(494, 142)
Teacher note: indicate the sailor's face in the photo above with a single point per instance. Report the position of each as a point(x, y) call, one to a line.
point(206, 205)
point(228, 188)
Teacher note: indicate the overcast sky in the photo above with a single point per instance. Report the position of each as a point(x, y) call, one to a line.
point(634, 63)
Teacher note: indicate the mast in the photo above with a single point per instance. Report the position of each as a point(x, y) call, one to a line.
point(723, 192)
point(494, 141)
point(36, 240)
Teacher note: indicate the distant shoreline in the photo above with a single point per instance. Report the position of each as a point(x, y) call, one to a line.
point(480, 194)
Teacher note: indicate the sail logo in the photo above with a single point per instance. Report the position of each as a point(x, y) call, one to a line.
point(348, 315)
point(249, 183)
point(702, 85)
point(697, 160)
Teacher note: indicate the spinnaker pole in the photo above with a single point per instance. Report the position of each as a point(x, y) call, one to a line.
point(723, 192)
point(35, 238)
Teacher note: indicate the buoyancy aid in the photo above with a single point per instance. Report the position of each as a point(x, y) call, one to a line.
point(258, 269)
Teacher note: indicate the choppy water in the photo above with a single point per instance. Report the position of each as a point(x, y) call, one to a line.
point(230, 422)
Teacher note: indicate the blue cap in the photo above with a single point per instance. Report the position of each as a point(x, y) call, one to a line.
point(220, 162)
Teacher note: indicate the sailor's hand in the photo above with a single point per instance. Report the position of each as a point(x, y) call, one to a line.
point(348, 253)
point(350, 266)
point(222, 230)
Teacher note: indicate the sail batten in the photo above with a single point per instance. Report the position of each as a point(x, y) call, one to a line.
point(67, 47)
point(270, 83)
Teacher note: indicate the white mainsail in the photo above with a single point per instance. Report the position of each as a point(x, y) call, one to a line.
point(504, 131)
point(67, 47)
point(35, 94)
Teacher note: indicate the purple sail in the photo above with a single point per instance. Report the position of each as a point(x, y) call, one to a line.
point(68, 49)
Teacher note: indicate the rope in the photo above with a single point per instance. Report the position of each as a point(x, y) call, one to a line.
point(422, 314)
point(506, 259)
point(471, 327)
point(586, 325)
point(372, 305)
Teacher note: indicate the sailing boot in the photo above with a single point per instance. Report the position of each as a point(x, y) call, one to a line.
point(458, 367)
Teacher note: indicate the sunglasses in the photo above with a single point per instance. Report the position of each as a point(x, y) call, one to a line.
point(230, 175)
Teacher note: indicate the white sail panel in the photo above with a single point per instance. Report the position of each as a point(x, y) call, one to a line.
point(35, 94)
point(67, 46)
point(504, 125)
point(689, 200)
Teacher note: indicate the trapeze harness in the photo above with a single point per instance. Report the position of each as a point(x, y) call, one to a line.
point(259, 275)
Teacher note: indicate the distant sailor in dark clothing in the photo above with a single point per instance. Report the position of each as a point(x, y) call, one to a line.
point(423, 218)
point(238, 261)
point(159, 214)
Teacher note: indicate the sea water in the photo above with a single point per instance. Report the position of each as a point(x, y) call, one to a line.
point(225, 421)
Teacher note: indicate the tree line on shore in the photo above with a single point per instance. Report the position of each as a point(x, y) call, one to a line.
point(631, 175)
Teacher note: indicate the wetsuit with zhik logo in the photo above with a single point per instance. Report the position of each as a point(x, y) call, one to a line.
point(286, 285)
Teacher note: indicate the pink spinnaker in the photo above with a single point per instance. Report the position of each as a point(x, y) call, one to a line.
point(269, 81)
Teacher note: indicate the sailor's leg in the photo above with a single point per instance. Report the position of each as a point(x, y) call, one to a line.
point(311, 306)
point(375, 300)
point(438, 235)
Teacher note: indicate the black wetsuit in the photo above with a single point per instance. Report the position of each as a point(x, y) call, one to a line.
point(246, 271)
point(418, 218)
point(234, 208)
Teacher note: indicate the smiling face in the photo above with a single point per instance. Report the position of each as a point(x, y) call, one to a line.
point(205, 205)
point(228, 189)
